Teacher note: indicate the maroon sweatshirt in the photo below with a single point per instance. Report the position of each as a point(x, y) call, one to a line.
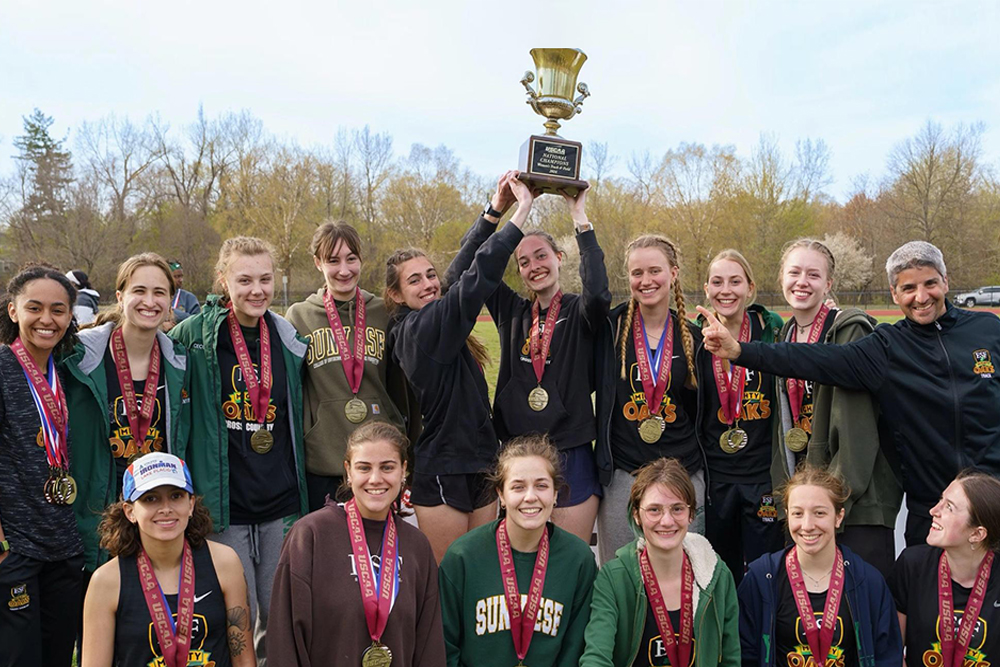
point(316, 613)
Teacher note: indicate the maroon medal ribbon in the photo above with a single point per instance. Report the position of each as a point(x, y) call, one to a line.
point(797, 388)
point(353, 362)
point(654, 392)
point(955, 656)
point(678, 652)
point(52, 401)
point(175, 641)
point(540, 348)
point(820, 638)
point(260, 391)
point(138, 420)
point(376, 599)
point(522, 623)
point(731, 389)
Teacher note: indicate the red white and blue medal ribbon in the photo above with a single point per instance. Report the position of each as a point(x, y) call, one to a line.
point(661, 362)
point(50, 401)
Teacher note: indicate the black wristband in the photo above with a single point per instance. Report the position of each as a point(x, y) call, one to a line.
point(492, 212)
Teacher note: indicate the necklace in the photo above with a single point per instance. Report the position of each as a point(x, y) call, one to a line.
point(817, 582)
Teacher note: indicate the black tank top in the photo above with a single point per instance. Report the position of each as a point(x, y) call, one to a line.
point(136, 644)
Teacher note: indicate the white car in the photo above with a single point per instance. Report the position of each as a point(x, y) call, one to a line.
point(984, 296)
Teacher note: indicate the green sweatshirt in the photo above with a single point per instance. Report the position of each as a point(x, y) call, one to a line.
point(618, 612)
point(325, 388)
point(207, 451)
point(844, 436)
point(474, 609)
point(89, 422)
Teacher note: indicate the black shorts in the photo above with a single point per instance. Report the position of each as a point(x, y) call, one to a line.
point(580, 472)
point(464, 492)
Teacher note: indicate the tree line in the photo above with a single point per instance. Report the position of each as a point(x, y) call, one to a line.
point(128, 186)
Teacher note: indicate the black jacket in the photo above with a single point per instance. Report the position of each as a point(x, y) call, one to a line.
point(937, 386)
point(429, 345)
point(569, 371)
point(608, 370)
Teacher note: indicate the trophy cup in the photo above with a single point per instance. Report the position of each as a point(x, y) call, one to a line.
point(549, 163)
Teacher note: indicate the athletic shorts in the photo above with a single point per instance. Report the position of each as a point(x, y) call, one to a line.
point(464, 492)
point(580, 473)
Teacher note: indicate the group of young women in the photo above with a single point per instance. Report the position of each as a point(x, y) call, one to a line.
point(109, 432)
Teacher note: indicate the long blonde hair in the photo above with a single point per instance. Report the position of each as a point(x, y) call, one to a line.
point(392, 280)
point(670, 251)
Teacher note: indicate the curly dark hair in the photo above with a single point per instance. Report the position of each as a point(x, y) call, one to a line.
point(9, 330)
point(120, 537)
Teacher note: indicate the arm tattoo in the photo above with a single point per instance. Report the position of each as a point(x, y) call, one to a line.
point(237, 618)
point(236, 642)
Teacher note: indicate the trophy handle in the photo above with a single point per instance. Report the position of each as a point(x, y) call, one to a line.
point(526, 80)
point(578, 102)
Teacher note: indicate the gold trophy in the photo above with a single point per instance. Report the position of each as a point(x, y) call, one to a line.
point(550, 163)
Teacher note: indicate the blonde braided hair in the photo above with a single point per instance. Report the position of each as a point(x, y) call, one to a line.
point(672, 254)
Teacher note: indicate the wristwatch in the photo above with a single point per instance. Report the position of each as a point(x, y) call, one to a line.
point(4, 546)
point(492, 212)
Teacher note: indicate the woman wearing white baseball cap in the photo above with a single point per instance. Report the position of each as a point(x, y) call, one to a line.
point(135, 613)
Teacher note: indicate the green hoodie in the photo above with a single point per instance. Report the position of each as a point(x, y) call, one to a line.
point(618, 612)
point(207, 452)
point(383, 385)
point(845, 436)
point(89, 422)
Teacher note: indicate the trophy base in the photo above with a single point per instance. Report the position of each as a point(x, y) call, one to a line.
point(551, 165)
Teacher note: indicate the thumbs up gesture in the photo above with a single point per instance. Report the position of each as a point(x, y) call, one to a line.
point(718, 340)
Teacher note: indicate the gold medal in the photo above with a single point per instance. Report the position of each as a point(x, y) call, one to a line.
point(67, 489)
point(538, 399)
point(356, 410)
point(733, 440)
point(48, 490)
point(796, 439)
point(376, 655)
point(262, 441)
point(651, 429)
point(40, 438)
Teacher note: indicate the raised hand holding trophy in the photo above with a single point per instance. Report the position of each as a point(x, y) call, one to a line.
point(549, 163)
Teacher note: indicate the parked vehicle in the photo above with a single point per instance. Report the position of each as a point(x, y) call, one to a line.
point(984, 296)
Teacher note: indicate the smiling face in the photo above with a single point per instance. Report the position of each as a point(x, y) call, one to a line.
point(950, 521)
point(161, 513)
point(728, 288)
point(664, 517)
point(249, 281)
point(538, 264)
point(650, 276)
point(805, 279)
point(418, 283)
point(42, 313)
point(375, 473)
point(340, 271)
point(145, 301)
point(920, 293)
point(528, 493)
point(812, 519)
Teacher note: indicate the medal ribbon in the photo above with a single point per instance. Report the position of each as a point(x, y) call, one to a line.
point(731, 389)
point(819, 639)
point(797, 388)
point(174, 638)
point(955, 656)
point(376, 595)
point(678, 652)
point(51, 404)
point(522, 623)
point(260, 392)
point(540, 349)
point(353, 362)
point(177, 298)
point(664, 355)
point(138, 419)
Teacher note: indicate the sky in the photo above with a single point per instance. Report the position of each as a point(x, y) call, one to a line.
point(862, 76)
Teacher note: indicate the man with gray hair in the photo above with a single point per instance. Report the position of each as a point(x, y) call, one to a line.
point(933, 373)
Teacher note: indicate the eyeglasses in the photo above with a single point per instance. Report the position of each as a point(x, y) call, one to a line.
point(655, 512)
